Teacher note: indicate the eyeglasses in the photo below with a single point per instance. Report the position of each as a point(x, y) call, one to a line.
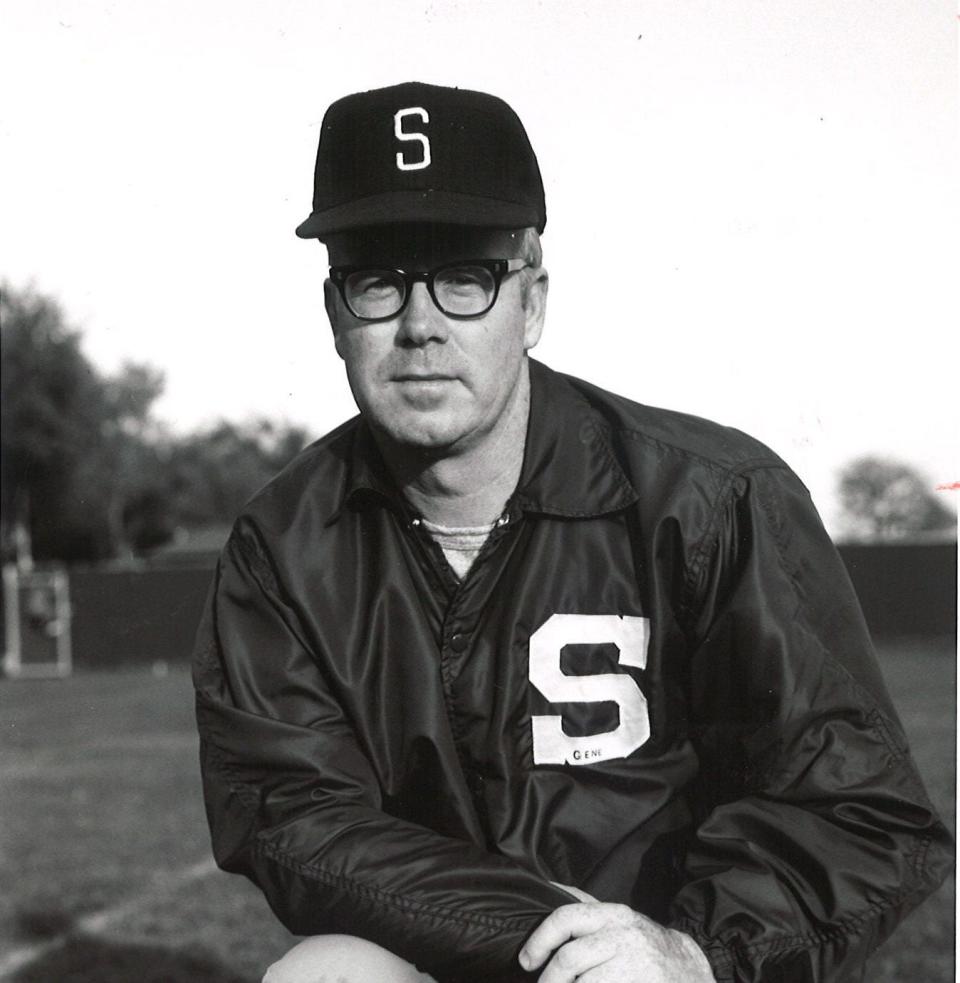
point(462, 290)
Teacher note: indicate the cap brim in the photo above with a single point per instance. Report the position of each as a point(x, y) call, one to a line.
point(447, 207)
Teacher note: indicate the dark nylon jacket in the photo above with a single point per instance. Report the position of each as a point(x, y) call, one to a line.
point(655, 683)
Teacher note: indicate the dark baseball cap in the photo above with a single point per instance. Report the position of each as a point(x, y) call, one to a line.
point(427, 154)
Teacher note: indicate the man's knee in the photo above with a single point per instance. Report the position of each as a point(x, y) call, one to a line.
point(342, 959)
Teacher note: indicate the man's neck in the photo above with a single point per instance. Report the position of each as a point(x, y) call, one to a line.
point(471, 486)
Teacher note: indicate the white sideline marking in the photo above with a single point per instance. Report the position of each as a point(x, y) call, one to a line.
point(101, 920)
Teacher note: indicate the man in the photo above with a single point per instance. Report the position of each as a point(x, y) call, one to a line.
point(512, 678)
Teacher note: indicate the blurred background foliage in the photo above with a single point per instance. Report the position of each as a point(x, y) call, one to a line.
point(884, 500)
point(88, 473)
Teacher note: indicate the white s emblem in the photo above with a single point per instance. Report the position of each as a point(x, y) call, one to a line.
point(631, 635)
point(421, 138)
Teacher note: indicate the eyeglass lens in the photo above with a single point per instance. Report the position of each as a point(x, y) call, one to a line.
point(458, 290)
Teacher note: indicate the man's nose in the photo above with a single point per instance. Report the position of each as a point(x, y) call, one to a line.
point(420, 321)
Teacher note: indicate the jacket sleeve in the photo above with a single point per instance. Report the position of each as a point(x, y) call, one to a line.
point(293, 802)
point(815, 835)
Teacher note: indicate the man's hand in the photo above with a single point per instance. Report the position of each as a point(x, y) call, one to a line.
point(611, 943)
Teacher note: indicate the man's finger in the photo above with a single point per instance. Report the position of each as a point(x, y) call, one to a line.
point(571, 921)
point(576, 957)
point(575, 891)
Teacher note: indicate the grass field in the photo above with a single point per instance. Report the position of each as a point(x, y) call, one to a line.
point(104, 855)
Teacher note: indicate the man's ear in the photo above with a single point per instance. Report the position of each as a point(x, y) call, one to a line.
point(331, 301)
point(535, 306)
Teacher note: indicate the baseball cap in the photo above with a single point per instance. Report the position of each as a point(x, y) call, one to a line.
point(423, 153)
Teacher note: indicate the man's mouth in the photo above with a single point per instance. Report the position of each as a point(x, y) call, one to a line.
point(423, 377)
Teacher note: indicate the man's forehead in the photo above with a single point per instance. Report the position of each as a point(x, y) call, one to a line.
point(412, 246)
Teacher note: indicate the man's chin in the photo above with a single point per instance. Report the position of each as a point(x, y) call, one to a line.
point(424, 438)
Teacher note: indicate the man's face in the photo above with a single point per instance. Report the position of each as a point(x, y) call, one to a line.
point(423, 379)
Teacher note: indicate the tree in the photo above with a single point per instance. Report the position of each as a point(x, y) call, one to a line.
point(129, 466)
point(884, 499)
point(73, 447)
point(50, 421)
point(216, 470)
point(87, 472)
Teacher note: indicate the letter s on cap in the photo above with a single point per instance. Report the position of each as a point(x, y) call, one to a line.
point(398, 117)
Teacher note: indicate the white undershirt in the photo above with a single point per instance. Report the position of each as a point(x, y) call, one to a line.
point(460, 544)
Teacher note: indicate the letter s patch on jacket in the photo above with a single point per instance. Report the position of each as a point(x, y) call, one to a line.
point(631, 635)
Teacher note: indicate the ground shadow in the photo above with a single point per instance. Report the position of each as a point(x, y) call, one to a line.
point(84, 959)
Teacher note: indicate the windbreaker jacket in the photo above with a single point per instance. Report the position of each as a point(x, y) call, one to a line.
point(655, 684)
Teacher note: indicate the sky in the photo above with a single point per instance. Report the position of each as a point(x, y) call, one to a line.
point(752, 206)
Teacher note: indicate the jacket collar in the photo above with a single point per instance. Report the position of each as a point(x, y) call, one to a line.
point(569, 468)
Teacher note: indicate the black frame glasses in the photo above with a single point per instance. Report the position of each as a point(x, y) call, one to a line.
point(498, 269)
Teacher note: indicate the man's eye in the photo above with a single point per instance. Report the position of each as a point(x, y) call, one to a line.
point(461, 278)
point(465, 278)
point(372, 283)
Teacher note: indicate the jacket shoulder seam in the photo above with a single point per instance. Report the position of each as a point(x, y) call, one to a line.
point(759, 461)
point(711, 531)
point(725, 478)
point(704, 547)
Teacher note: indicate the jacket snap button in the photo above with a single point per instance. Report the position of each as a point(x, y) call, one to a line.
point(459, 643)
